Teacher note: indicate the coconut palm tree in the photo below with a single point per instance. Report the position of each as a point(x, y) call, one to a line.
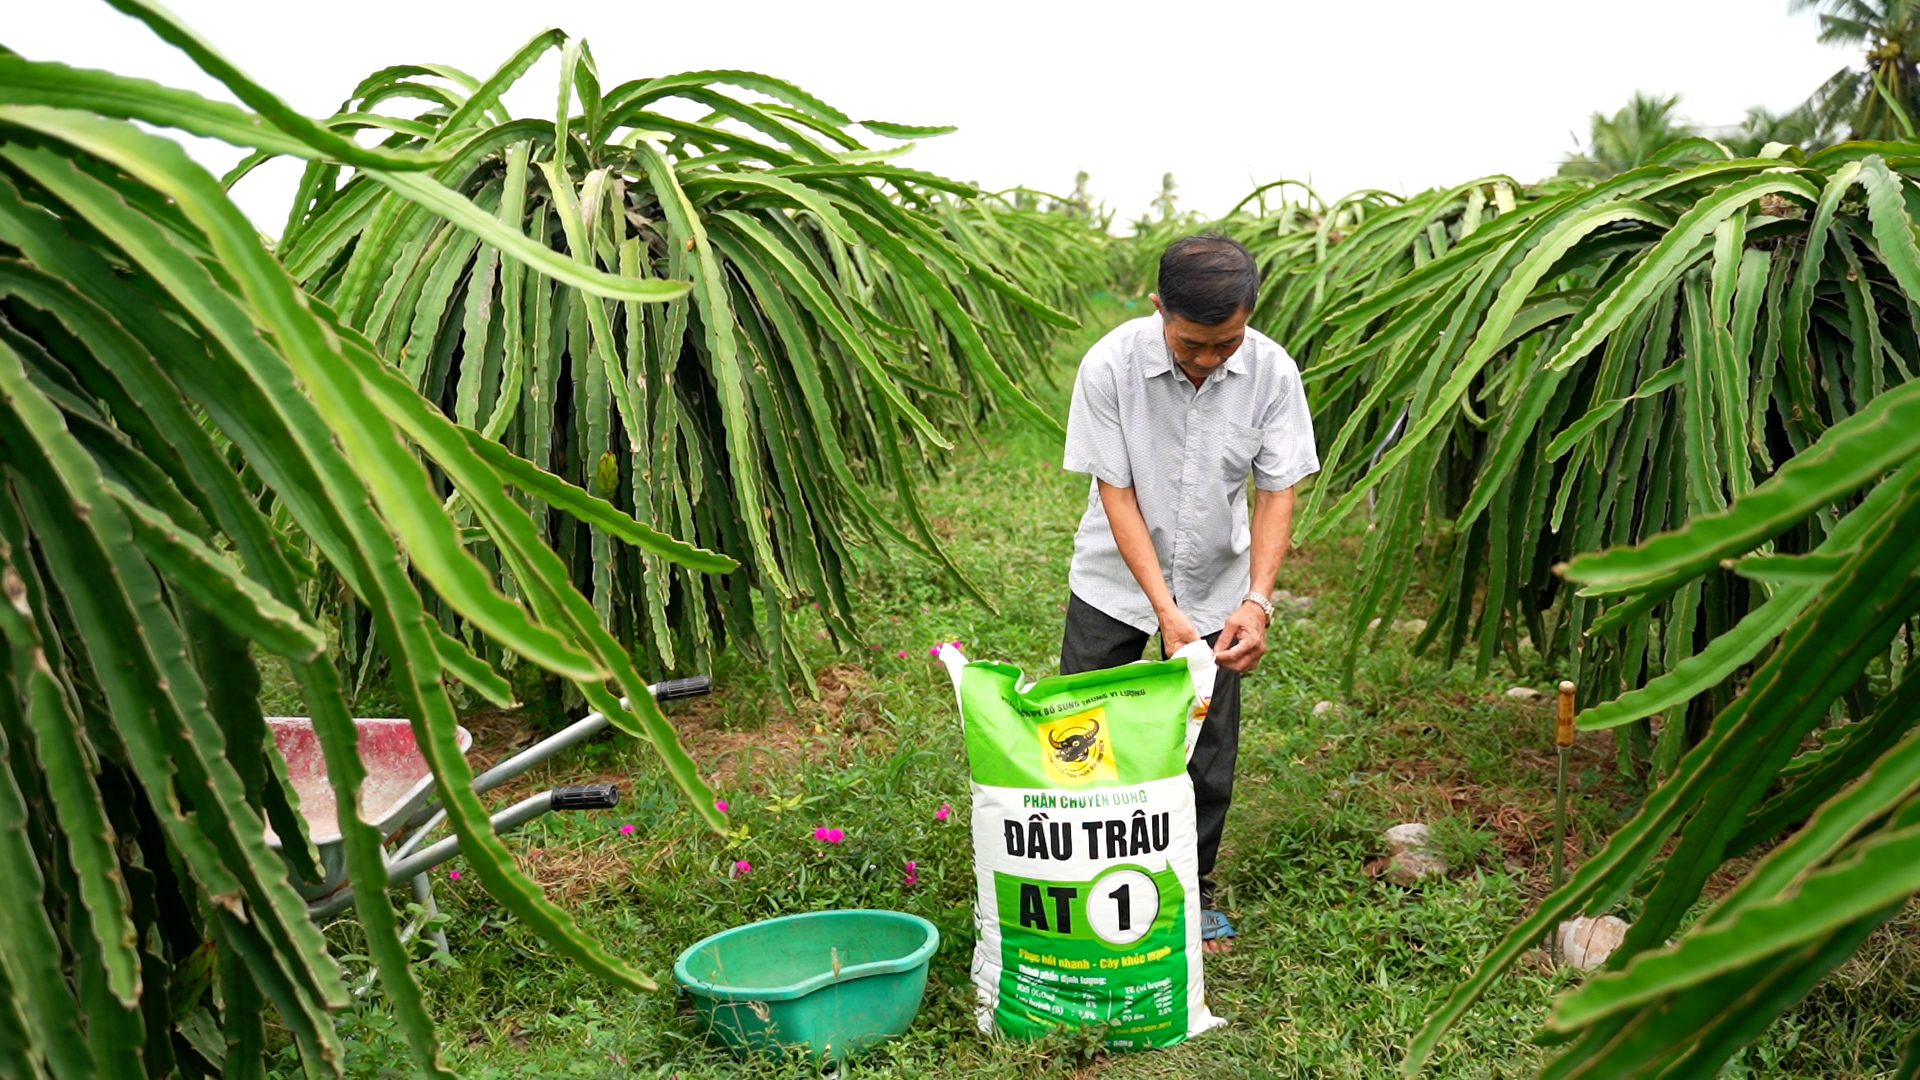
point(1879, 99)
point(1164, 203)
point(1630, 137)
point(1799, 127)
point(1080, 203)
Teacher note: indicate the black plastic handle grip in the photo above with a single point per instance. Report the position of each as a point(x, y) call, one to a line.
point(586, 797)
point(691, 686)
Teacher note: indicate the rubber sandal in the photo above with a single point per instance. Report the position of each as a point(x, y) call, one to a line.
point(1214, 925)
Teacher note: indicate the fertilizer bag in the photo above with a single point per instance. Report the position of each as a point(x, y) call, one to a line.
point(1087, 899)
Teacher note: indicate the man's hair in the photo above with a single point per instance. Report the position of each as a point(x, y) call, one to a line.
point(1207, 278)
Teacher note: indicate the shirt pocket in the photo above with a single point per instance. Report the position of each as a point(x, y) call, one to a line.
point(1240, 444)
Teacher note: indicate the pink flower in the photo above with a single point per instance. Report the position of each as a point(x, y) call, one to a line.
point(453, 875)
point(828, 836)
point(741, 868)
point(902, 654)
point(626, 830)
point(875, 648)
point(943, 813)
point(720, 805)
point(913, 874)
point(1046, 464)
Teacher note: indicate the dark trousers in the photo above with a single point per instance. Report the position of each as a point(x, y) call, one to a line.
point(1095, 640)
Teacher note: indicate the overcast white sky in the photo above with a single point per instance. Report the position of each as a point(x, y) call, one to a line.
point(1399, 94)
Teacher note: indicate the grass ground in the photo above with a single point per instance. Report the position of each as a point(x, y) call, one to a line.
point(1335, 969)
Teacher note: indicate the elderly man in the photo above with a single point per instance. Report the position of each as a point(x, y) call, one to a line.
point(1171, 414)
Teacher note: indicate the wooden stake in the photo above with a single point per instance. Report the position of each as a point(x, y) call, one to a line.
point(1562, 742)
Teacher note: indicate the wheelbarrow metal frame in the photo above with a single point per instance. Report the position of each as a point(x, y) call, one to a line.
point(413, 818)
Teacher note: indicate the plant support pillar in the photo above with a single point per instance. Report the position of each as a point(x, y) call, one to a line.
point(1562, 742)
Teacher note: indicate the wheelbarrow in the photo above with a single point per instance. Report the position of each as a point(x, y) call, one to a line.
point(398, 797)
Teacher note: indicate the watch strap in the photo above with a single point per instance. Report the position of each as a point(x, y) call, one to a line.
point(1262, 600)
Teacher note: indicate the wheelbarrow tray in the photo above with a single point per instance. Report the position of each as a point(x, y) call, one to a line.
point(398, 783)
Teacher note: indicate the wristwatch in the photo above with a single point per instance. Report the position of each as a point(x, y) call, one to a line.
point(1266, 605)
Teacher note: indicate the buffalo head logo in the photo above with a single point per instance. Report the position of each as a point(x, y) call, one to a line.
point(1077, 749)
point(1074, 746)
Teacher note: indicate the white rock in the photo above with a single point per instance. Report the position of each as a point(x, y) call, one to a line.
point(1287, 602)
point(1322, 708)
point(1522, 693)
point(1303, 624)
point(1411, 626)
point(1411, 845)
point(1409, 836)
point(1586, 943)
point(1375, 624)
point(1408, 867)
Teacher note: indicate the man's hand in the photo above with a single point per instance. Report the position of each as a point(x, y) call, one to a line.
point(1243, 641)
point(1176, 631)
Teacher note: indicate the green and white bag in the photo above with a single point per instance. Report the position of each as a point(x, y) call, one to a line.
point(1084, 847)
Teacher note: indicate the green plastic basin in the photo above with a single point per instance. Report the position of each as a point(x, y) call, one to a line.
point(832, 983)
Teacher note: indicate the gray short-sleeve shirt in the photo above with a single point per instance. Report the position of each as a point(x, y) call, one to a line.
point(1137, 422)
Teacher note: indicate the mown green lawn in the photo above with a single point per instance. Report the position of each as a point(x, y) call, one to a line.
point(1335, 968)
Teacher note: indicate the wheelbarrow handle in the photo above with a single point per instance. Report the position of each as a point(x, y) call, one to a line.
point(692, 686)
point(586, 797)
point(578, 731)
